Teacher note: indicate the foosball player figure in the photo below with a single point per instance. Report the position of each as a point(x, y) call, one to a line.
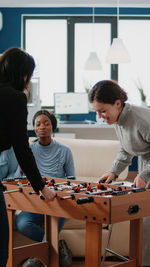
point(89, 187)
point(119, 188)
point(55, 188)
point(19, 184)
point(84, 185)
point(101, 186)
point(68, 182)
point(51, 183)
point(77, 190)
point(28, 184)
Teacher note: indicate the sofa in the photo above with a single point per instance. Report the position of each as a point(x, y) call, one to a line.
point(92, 158)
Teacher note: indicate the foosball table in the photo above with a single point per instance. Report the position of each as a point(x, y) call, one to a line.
point(96, 203)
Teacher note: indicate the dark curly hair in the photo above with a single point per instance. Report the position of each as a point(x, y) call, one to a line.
point(15, 65)
point(107, 91)
point(51, 116)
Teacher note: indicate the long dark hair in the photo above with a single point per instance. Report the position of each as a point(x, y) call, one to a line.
point(15, 66)
point(107, 91)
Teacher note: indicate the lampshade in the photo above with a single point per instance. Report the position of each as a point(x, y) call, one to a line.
point(117, 52)
point(92, 62)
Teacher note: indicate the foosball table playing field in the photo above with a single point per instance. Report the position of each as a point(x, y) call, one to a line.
point(96, 203)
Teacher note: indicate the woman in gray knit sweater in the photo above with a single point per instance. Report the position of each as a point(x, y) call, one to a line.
point(132, 125)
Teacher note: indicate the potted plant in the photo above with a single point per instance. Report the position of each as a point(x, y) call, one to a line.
point(142, 94)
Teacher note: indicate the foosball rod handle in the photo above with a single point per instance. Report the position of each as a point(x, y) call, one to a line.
point(68, 197)
point(84, 200)
point(43, 198)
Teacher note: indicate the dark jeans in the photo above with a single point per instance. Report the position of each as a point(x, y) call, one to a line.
point(28, 224)
point(4, 231)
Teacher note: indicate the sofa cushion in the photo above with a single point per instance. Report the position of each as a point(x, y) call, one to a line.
point(78, 224)
point(119, 241)
point(92, 158)
point(74, 224)
point(76, 240)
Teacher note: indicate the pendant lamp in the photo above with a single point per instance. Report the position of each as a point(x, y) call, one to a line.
point(117, 52)
point(93, 62)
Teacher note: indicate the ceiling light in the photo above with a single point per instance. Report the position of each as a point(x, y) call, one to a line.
point(93, 62)
point(117, 52)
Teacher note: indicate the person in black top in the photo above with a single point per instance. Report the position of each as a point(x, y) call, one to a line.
point(16, 69)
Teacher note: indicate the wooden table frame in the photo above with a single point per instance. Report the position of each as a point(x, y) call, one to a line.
point(47, 251)
point(111, 210)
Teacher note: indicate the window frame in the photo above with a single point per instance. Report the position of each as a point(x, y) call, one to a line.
point(71, 21)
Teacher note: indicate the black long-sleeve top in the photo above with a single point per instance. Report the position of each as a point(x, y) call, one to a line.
point(13, 132)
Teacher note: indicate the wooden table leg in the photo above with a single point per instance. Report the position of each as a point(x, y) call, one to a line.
point(93, 244)
point(10, 259)
point(136, 235)
point(51, 235)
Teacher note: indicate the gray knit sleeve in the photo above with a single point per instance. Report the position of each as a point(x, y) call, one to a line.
point(122, 160)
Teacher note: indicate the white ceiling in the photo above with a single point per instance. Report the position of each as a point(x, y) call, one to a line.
point(75, 3)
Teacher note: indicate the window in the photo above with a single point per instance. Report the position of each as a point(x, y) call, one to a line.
point(46, 40)
point(135, 34)
point(60, 46)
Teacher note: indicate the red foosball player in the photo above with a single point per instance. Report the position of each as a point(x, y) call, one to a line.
point(99, 186)
point(89, 187)
point(51, 183)
point(78, 188)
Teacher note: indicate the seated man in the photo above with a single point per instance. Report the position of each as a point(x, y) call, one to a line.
point(53, 160)
point(8, 164)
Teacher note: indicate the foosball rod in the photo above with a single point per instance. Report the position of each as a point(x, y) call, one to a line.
point(68, 197)
point(100, 192)
point(74, 186)
point(82, 189)
point(56, 184)
point(11, 179)
point(14, 190)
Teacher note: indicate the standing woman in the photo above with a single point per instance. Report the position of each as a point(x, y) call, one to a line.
point(132, 125)
point(16, 69)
